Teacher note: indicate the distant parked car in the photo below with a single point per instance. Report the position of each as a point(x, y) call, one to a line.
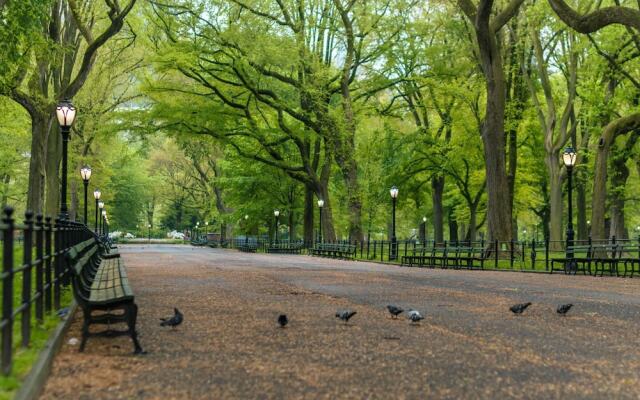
point(115, 235)
point(175, 235)
point(129, 236)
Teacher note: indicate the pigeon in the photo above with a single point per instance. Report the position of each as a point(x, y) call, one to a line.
point(63, 312)
point(519, 308)
point(345, 315)
point(283, 320)
point(414, 316)
point(563, 309)
point(394, 311)
point(173, 321)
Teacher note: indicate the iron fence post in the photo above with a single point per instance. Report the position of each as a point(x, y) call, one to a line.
point(7, 290)
point(26, 279)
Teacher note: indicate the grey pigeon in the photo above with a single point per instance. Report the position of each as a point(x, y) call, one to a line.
point(519, 308)
point(283, 320)
point(563, 309)
point(414, 316)
point(173, 321)
point(394, 311)
point(63, 312)
point(345, 315)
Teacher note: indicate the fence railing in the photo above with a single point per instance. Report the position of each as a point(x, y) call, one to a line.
point(523, 255)
point(34, 272)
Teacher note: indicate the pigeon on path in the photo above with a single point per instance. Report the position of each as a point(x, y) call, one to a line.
point(394, 311)
point(414, 316)
point(519, 308)
point(345, 315)
point(283, 320)
point(563, 309)
point(173, 321)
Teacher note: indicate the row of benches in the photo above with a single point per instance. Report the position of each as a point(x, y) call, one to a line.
point(445, 257)
point(600, 258)
point(286, 248)
point(334, 250)
point(100, 283)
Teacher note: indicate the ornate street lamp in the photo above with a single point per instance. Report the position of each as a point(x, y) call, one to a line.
point(149, 227)
point(96, 195)
point(100, 207)
point(66, 114)
point(85, 173)
point(424, 230)
point(276, 213)
point(394, 196)
point(569, 158)
point(320, 207)
point(104, 221)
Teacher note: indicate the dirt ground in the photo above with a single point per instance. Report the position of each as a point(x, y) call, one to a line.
point(468, 346)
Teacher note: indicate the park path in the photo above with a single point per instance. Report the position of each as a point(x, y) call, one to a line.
point(469, 346)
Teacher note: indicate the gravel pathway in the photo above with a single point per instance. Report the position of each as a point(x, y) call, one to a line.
point(469, 345)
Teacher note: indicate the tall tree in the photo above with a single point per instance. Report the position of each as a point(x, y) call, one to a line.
point(487, 29)
point(73, 32)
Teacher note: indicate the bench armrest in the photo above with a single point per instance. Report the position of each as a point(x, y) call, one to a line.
point(111, 255)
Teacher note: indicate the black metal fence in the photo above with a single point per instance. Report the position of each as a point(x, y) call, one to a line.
point(34, 272)
point(521, 255)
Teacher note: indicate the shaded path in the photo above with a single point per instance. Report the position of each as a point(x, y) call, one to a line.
point(469, 346)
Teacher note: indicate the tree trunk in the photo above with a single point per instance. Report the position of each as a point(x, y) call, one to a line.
point(453, 226)
point(291, 223)
point(611, 131)
point(555, 199)
point(619, 176)
point(35, 190)
point(52, 164)
point(498, 203)
point(437, 191)
point(328, 231)
point(354, 204)
point(473, 217)
point(308, 215)
point(581, 206)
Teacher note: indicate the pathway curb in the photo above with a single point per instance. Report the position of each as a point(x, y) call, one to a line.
point(32, 386)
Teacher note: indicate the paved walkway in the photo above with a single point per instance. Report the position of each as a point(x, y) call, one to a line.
point(469, 346)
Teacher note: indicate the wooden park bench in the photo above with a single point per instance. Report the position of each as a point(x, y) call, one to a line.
point(285, 248)
point(629, 256)
point(100, 284)
point(334, 250)
point(467, 257)
point(248, 247)
point(415, 256)
point(199, 242)
point(599, 258)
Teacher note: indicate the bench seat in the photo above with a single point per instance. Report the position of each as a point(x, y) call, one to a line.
point(100, 283)
point(110, 283)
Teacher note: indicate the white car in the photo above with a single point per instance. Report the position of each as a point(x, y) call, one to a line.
point(129, 236)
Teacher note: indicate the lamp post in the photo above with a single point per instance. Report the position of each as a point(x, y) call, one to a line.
point(85, 173)
point(96, 195)
point(246, 228)
point(394, 196)
point(66, 114)
point(100, 206)
point(320, 207)
point(149, 228)
point(569, 159)
point(424, 230)
point(104, 221)
point(276, 213)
